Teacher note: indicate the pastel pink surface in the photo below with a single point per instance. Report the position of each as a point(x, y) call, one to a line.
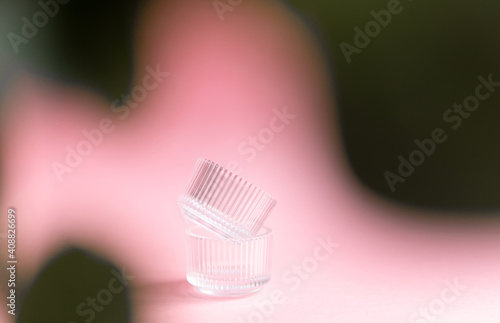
point(225, 79)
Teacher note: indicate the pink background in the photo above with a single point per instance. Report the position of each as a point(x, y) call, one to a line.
point(225, 80)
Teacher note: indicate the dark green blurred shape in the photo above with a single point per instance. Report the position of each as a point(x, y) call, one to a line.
point(63, 289)
point(87, 43)
point(397, 88)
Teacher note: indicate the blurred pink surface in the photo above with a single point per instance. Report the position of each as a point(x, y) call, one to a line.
point(225, 79)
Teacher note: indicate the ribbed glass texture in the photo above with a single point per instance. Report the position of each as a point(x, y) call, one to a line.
point(228, 267)
point(224, 202)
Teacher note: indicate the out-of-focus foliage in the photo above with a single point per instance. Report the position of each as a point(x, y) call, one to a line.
point(398, 87)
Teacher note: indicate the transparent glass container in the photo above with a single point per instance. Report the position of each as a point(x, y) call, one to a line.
point(228, 267)
point(224, 202)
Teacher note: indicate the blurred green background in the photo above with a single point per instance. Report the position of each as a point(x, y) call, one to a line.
point(398, 87)
point(74, 287)
point(395, 90)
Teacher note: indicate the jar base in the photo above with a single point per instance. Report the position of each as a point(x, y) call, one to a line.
point(227, 293)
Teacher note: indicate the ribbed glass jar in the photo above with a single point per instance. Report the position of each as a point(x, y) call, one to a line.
point(224, 202)
point(228, 267)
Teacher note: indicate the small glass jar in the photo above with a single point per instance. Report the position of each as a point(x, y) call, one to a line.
point(224, 202)
point(228, 267)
